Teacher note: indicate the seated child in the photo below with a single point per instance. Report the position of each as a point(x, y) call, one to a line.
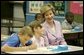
point(38, 34)
point(69, 22)
point(38, 18)
point(17, 41)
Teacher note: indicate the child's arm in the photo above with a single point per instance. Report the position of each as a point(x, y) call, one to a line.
point(7, 48)
point(32, 46)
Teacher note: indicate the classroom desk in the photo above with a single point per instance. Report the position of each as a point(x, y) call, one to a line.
point(45, 50)
point(4, 37)
point(74, 35)
point(71, 31)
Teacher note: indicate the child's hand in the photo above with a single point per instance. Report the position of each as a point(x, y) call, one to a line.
point(32, 46)
point(28, 43)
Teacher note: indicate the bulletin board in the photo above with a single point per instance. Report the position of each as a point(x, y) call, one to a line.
point(59, 7)
point(34, 6)
point(76, 7)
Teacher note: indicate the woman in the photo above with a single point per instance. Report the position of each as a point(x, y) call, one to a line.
point(53, 31)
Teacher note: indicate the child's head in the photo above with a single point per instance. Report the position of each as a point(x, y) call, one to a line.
point(38, 16)
point(69, 17)
point(26, 33)
point(37, 28)
point(48, 12)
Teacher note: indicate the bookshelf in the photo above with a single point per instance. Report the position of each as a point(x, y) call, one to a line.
point(12, 17)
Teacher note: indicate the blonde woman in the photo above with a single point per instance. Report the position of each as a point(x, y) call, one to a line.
point(53, 30)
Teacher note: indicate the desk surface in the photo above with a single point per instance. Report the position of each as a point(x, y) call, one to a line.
point(45, 50)
point(71, 31)
point(4, 37)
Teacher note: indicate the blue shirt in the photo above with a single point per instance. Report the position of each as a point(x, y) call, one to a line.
point(14, 41)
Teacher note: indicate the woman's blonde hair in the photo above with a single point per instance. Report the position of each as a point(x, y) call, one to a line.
point(47, 7)
point(26, 31)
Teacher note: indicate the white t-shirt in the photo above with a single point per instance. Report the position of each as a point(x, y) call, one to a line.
point(67, 26)
point(53, 30)
point(38, 42)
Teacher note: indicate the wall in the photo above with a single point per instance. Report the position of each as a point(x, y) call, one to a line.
point(77, 17)
point(30, 17)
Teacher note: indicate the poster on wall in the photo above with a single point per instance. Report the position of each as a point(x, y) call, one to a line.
point(76, 7)
point(59, 7)
point(34, 6)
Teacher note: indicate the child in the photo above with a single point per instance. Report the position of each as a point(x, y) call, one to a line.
point(38, 18)
point(69, 22)
point(17, 41)
point(38, 33)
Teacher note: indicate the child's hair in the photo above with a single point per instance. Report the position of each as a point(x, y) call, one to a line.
point(35, 25)
point(37, 15)
point(26, 30)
